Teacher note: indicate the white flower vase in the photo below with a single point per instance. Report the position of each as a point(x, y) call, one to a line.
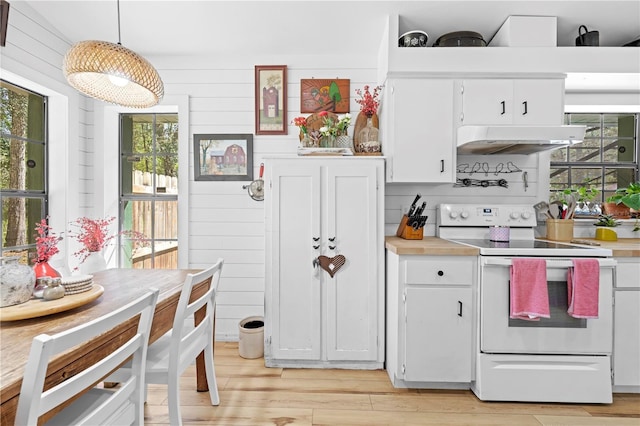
point(93, 263)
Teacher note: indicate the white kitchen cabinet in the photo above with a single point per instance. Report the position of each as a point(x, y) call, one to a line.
point(418, 121)
point(626, 334)
point(431, 344)
point(512, 101)
point(326, 207)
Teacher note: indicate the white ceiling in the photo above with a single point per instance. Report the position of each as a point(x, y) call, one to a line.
point(208, 27)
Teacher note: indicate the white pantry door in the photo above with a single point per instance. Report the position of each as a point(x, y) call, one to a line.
point(295, 284)
point(350, 214)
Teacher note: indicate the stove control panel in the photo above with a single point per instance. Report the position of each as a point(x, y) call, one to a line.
point(518, 215)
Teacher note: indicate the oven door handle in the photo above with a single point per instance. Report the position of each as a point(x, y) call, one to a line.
point(552, 264)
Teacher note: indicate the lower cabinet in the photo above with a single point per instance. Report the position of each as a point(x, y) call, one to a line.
point(430, 345)
point(626, 334)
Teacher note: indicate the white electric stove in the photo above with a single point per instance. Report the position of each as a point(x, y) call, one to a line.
point(559, 359)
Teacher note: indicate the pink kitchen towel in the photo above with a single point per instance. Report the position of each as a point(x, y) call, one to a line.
point(583, 287)
point(529, 298)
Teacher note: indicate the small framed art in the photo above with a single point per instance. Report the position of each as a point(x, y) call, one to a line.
point(318, 94)
point(271, 99)
point(223, 157)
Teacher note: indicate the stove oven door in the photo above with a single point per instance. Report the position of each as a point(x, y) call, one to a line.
point(560, 334)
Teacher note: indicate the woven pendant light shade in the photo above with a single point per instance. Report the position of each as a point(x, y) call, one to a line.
point(89, 64)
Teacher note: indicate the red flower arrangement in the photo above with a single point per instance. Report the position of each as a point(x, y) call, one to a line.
point(368, 102)
point(46, 242)
point(302, 123)
point(93, 235)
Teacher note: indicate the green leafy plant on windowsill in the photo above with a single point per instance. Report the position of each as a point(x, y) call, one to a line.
point(630, 197)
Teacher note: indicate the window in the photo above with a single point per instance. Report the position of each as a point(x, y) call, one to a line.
point(606, 160)
point(23, 168)
point(149, 189)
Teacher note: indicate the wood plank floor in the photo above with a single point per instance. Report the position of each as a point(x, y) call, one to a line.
point(251, 394)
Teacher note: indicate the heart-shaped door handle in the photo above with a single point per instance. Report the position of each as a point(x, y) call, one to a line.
point(332, 264)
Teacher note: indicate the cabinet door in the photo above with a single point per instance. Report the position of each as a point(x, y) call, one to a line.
point(438, 342)
point(538, 102)
point(351, 218)
point(421, 119)
point(626, 340)
point(487, 101)
point(295, 284)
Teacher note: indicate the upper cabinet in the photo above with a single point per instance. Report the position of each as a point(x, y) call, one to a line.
point(418, 124)
point(512, 101)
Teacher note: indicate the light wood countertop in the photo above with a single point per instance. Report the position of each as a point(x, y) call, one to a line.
point(624, 247)
point(432, 246)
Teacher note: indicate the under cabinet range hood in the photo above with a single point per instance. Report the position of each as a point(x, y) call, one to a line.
point(492, 140)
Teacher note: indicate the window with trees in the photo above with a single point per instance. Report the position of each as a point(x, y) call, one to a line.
point(149, 189)
point(606, 160)
point(23, 168)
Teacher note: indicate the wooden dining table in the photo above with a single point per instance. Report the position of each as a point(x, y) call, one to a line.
point(120, 287)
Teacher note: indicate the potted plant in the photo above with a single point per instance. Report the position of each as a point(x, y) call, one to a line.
point(623, 200)
point(605, 223)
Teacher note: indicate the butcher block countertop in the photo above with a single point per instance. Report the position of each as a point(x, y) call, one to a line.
point(624, 247)
point(432, 246)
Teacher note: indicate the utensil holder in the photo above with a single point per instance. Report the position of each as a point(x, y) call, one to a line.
point(407, 232)
point(560, 229)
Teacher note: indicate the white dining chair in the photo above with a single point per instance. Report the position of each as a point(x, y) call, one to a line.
point(97, 406)
point(169, 356)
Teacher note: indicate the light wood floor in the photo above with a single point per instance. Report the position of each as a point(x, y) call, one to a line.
point(251, 394)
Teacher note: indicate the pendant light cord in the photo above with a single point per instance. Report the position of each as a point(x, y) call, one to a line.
point(119, 40)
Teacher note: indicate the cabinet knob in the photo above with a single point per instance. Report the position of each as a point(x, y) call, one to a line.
point(332, 239)
point(316, 247)
point(332, 247)
point(440, 273)
point(316, 238)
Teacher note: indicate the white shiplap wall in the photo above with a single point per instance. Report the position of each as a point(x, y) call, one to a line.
point(223, 220)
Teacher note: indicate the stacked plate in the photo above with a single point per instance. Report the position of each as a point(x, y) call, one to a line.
point(77, 284)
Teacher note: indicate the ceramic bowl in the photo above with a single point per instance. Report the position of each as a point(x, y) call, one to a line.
point(415, 38)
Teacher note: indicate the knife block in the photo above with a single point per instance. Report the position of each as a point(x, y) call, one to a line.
point(407, 232)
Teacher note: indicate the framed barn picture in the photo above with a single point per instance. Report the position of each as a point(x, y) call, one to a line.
point(271, 99)
point(223, 157)
point(324, 95)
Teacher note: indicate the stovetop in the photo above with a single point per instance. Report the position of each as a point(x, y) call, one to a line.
point(532, 248)
point(470, 224)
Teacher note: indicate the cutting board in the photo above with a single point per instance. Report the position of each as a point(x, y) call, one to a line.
point(361, 122)
point(40, 307)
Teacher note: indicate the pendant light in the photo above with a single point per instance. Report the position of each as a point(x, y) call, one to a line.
point(113, 73)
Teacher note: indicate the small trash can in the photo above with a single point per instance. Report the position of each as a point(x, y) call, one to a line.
point(251, 344)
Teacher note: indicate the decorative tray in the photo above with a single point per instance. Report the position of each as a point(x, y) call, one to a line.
point(39, 307)
point(324, 151)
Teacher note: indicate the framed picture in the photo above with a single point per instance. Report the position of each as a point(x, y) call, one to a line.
point(4, 21)
point(324, 95)
point(271, 99)
point(223, 157)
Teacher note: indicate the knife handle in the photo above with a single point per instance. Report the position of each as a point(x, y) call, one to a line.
point(412, 209)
